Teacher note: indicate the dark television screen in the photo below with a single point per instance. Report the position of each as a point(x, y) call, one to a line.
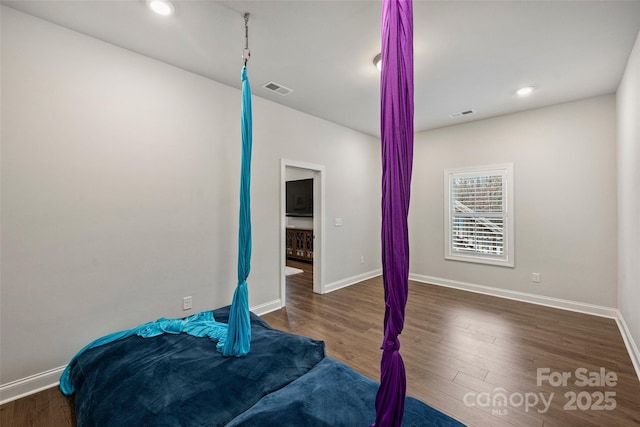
point(300, 197)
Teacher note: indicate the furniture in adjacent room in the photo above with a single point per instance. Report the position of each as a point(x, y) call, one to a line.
point(299, 244)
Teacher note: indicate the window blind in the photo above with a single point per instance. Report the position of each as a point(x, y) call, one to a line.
point(478, 214)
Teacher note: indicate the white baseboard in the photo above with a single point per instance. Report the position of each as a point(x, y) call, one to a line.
point(632, 348)
point(44, 380)
point(267, 307)
point(596, 310)
point(334, 286)
point(30, 385)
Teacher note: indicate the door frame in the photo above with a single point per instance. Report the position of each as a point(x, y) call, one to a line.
point(318, 224)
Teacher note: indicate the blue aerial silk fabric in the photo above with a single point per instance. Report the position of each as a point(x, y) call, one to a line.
point(239, 336)
point(200, 324)
point(396, 93)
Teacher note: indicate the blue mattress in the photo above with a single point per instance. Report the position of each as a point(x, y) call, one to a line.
point(181, 380)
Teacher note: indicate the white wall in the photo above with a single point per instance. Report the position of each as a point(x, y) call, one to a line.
point(120, 179)
point(304, 223)
point(565, 199)
point(292, 174)
point(628, 97)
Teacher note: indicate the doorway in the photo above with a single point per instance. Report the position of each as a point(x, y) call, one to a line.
point(317, 173)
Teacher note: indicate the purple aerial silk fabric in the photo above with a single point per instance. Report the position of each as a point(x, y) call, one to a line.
point(396, 93)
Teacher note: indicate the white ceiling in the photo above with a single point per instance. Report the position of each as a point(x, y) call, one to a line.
point(468, 54)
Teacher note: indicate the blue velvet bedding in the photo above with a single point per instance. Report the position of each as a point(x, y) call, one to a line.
point(181, 380)
point(332, 394)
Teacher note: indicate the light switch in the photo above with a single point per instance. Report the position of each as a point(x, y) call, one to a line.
point(338, 222)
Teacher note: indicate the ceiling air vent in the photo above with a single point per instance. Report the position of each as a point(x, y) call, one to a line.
point(462, 114)
point(278, 88)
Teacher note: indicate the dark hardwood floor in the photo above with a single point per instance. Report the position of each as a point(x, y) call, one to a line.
point(456, 346)
point(49, 408)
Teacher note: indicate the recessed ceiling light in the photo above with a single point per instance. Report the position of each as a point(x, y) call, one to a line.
point(161, 7)
point(524, 91)
point(377, 61)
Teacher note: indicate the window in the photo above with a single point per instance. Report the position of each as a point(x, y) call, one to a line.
point(479, 214)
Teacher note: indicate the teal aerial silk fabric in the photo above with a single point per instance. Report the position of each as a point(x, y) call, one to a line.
point(199, 325)
point(239, 336)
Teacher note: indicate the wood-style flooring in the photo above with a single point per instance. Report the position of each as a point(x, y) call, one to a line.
point(457, 345)
point(459, 348)
point(48, 408)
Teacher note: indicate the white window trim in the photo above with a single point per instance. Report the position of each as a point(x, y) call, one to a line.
point(509, 234)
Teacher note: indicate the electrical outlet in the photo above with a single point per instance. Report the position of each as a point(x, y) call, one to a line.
point(362, 260)
point(187, 303)
point(535, 277)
